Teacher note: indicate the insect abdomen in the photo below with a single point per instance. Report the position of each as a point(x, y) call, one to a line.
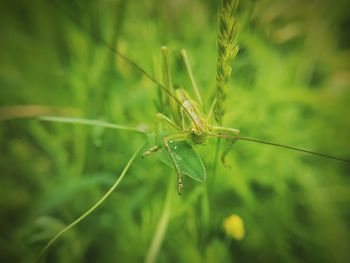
point(198, 122)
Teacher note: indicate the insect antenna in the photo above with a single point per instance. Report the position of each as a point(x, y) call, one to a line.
point(99, 40)
point(281, 146)
point(295, 149)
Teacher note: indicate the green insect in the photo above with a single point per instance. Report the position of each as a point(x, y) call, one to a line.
point(187, 120)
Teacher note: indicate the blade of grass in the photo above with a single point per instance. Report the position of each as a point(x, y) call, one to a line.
point(95, 206)
point(90, 122)
point(162, 225)
point(30, 111)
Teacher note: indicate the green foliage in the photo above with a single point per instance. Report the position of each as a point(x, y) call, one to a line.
point(290, 84)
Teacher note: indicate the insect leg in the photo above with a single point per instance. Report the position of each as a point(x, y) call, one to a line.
point(228, 131)
point(225, 130)
point(160, 118)
point(186, 62)
point(226, 151)
point(151, 150)
point(168, 83)
point(182, 117)
point(166, 141)
point(211, 109)
point(166, 72)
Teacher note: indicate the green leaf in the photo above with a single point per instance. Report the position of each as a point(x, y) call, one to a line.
point(185, 158)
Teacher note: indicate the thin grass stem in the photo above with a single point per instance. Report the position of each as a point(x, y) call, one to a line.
point(90, 123)
point(95, 206)
point(162, 225)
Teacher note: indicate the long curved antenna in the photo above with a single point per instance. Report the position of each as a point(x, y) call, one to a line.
point(295, 149)
point(100, 40)
point(93, 208)
point(281, 146)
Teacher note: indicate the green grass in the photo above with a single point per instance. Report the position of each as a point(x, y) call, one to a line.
point(290, 84)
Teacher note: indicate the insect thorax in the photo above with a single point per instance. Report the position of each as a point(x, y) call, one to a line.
point(198, 138)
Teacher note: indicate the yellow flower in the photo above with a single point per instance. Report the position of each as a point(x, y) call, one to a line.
point(234, 227)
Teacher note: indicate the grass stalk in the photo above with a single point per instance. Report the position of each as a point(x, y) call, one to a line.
point(162, 225)
point(227, 50)
point(91, 123)
point(94, 207)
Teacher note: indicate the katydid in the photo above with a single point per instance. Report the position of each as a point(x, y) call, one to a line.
point(188, 121)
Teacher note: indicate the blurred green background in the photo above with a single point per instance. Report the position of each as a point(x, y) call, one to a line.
point(290, 84)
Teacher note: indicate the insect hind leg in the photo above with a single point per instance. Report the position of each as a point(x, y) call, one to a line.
point(231, 142)
point(222, 132)
point(166, 141)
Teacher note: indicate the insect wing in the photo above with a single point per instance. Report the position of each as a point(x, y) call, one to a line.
point(186, 159)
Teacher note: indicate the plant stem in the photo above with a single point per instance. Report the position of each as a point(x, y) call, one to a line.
point(227, 50)
point(162, 225)
point(97, 204)
point(90, 122)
